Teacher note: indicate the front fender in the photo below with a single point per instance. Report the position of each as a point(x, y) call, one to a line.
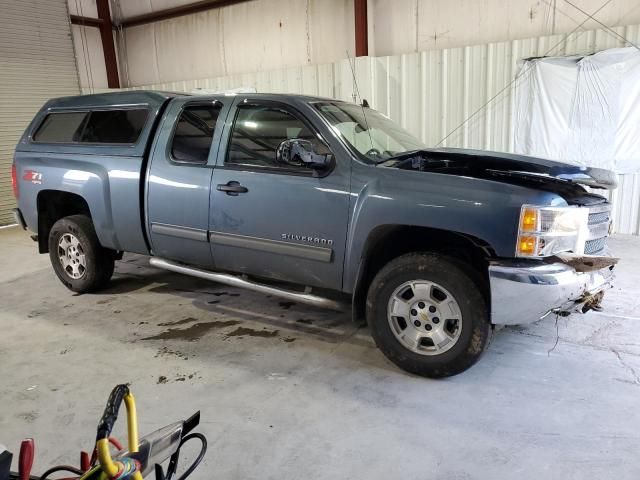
point(483, 209)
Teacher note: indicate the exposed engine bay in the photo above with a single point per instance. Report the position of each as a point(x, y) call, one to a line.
point(566, 180)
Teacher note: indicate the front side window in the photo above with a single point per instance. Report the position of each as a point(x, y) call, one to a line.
point(374, 137)
point(194, 133)
point(98, 126)
point(259, 130)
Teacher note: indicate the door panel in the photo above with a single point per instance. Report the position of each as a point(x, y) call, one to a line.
point(179, 180)
point(285, 223)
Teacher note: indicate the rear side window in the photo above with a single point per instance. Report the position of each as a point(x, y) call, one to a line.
point(194, 133)
point(98, 126)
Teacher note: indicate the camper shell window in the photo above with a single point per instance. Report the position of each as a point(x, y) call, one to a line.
point(117, 126)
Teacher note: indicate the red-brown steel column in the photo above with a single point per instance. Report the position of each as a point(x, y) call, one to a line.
point(362, 34)
point(109, 49)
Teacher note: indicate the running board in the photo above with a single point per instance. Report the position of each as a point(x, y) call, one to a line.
point(234, 281)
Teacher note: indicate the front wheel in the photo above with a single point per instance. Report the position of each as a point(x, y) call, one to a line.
point(427, 315)
point(77, 257)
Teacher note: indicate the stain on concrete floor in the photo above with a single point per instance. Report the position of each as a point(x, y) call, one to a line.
point(178, 322)
point(250, 332)
point(192, 333)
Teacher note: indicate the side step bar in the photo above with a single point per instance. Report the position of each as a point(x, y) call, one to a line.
point(235, 281)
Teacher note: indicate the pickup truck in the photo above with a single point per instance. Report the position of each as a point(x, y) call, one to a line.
point(322, 202)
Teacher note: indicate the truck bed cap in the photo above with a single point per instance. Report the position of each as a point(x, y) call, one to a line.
point(127, 97)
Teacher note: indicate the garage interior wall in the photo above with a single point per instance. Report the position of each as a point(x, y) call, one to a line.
point(246, 37)
point(403, 26)
point(36, 63)
point(261, 35)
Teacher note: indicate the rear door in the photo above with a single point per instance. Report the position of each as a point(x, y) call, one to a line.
point(273, 220)
point(179, 179)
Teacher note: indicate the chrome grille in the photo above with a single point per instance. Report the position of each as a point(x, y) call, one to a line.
point(592, 247)
point(599, 222)
point(599, 217)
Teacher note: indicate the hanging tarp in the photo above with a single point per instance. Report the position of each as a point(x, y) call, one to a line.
point(581, 109)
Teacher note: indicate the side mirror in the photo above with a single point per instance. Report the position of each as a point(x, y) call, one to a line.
point(297, 152)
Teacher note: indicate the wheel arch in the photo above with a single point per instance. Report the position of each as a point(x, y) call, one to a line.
point(52, 205)
point(387, 242)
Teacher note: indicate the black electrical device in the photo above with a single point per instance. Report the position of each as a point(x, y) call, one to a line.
point(5, 463)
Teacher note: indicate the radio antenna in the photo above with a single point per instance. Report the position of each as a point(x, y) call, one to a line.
point(356, 94)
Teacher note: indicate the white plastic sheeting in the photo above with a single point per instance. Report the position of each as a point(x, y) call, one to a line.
point(581, 109)
point(432, 93)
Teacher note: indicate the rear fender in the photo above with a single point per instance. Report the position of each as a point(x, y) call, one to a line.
point(89, 181)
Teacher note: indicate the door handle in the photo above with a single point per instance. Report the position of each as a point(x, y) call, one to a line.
point(232, 188)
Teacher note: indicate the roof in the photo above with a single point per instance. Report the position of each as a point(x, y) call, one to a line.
point(156, 98)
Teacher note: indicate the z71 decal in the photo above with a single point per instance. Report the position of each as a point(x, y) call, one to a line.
point(33, 177)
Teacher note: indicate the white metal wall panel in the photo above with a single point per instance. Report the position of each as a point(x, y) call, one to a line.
point(432, 93)
point(36, 63)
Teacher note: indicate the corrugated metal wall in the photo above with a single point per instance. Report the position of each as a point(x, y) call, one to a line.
point(37, 62)
point(432, 93)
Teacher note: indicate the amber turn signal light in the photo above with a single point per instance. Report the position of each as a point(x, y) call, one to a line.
point(529, 220)
point(527, 245)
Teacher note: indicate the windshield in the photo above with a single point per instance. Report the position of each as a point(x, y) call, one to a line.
point(373, 136)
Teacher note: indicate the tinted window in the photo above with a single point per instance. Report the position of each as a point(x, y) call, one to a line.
point(257, 132)
point(194, 132)
point(114, 126)
point(102, 126)
point(61, 127)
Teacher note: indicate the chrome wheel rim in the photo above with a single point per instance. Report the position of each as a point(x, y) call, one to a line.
point(71, 255)
point(424, 317)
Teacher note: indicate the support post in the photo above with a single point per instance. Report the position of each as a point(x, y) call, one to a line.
point(109, 49)
point(362, 33)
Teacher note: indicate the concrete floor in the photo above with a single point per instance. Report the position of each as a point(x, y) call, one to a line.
point(287, 391)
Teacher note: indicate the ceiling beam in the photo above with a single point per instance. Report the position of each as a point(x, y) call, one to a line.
point(85, 21)
point(362, 29)
point(180, 11)
point(108, 47)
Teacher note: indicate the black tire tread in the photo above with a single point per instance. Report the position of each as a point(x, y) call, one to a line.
point(102, 259)
point(434, 265)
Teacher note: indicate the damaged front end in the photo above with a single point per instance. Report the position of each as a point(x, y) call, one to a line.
point(503, 167)
point(561, 264)
point(526, 291)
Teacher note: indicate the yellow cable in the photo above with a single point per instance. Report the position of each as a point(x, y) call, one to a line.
point(132, 422)
point(104, 456)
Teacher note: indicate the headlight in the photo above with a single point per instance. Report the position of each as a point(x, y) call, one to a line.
point(545, 231)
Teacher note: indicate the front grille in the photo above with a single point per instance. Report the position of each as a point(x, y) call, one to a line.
point(599, 222)
point(591, 247)
point(599, 217)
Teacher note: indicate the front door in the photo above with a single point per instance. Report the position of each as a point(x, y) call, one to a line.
point(179, 180)
point(274, 220)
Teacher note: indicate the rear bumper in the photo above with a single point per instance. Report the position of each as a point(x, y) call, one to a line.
point(17, 215)
point(524, 293)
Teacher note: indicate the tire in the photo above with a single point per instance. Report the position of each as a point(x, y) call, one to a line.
point(450, 345)
point(77, 257)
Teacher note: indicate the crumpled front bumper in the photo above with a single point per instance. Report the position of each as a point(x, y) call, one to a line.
point(522, 292)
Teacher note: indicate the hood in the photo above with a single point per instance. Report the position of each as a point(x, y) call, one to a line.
point(508, 167)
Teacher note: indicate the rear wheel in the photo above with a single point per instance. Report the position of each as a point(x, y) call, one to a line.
point(77, 257)
point(427, 315)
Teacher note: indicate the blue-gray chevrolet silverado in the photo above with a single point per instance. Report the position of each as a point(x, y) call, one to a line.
point(319, 201)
